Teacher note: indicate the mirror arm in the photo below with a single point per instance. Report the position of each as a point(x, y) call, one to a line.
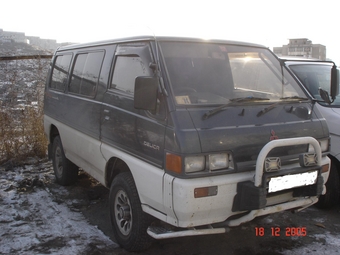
point(325, 96)
point(161, 83)
point(153, 66)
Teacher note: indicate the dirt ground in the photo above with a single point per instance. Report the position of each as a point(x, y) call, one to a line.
point(84, 207)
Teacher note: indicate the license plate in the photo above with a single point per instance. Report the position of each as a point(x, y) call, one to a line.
point(292, 181)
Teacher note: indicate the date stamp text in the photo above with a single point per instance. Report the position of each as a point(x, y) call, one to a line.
point(278, 231)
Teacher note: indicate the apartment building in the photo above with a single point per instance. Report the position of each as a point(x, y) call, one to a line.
point(302, 47)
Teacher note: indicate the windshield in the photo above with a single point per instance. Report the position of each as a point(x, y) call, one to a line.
point(209, 73)
point(313, 77)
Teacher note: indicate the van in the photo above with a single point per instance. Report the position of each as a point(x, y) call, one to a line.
point(191, 136)
point(315, 75)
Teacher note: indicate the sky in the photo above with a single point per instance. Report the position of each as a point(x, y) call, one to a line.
point(268, 22)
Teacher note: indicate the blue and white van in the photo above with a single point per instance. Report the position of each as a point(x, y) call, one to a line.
point(191, 136)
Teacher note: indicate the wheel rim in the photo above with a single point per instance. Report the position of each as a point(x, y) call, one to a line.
point(123, 212)
point(58, 162)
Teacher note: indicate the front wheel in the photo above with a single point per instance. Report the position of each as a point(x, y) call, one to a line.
point(128, 220)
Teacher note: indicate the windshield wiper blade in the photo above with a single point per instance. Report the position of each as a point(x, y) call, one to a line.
point(233, 100)
point(267, 109)
point(294, 98)
point(214, 111)
point(246, 99)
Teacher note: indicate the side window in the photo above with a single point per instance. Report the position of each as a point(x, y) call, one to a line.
point(85, 73)
point(60, 72)
point(126, 69)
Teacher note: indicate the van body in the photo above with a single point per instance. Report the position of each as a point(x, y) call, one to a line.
point(191, 136)
point(316, 74)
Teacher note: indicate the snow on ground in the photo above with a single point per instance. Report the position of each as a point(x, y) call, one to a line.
point(330, 246)
point(33, 221)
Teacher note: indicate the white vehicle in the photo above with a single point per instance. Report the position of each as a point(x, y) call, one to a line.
point(316, 75)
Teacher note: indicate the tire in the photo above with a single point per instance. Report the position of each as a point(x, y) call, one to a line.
point(66, 173)
point(128, 220)
point(332, 196)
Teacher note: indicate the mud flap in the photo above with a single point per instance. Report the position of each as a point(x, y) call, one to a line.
point(249, 197)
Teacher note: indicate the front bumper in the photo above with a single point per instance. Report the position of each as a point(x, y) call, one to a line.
point(247, 193)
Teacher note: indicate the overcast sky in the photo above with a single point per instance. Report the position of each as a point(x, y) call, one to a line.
point(268, 22)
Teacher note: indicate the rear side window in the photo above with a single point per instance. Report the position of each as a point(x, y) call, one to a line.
point(85, 73)
point(60, 72)
point(127, 68)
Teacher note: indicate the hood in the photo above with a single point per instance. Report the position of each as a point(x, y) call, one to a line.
point(244, 130)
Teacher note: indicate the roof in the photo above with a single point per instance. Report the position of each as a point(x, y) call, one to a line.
point(300, 60)
point(159, 39)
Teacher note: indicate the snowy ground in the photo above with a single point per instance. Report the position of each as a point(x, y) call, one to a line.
point(32, 221)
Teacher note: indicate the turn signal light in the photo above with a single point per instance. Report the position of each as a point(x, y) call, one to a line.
point(173, 163)
point(205, 192)
point(325, 168)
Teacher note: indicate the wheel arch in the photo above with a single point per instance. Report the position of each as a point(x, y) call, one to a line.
point(53, 133)
point(114, 167)
point(332, 196)
point(335, 161)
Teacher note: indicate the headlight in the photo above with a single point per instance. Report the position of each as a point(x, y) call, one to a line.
point(212, 161)
point(198, 163)
point(324, 144)
point(218, 161)
point(272, 164)
point(194, 164)
point(308, 159)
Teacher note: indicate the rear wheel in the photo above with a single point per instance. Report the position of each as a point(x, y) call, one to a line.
point(65, 171)
point(128, 220)
point(332, 196)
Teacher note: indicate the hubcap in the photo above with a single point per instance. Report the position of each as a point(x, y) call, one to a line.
point(123, 213)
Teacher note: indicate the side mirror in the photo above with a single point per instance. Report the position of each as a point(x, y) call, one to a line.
point(334, 82)
point(145, 95)
point(334, 90)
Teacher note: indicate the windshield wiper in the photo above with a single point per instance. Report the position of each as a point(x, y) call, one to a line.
point(247, 99)
point(271, 107)
point(294, 98)
point(267, 109)
point(213, 111)
point(233, 100)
